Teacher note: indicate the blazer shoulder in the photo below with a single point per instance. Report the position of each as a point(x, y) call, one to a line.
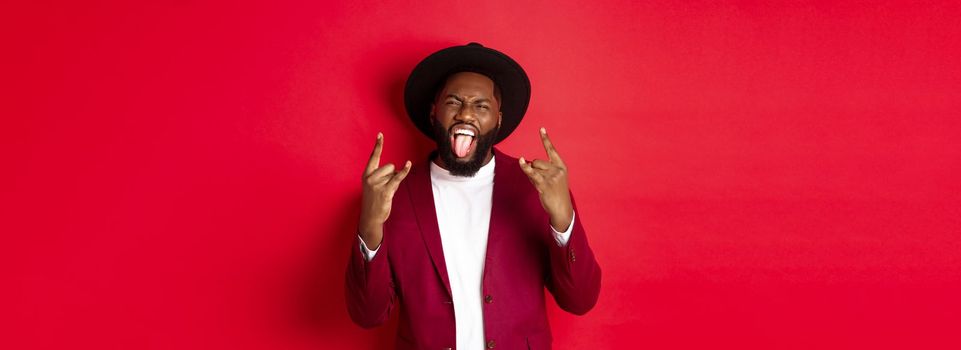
point(506, 160)
point(508, 168)
point(501, 155)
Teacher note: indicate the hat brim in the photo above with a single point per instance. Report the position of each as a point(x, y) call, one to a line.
point(430, 73)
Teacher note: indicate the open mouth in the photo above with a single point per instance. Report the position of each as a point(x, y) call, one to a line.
point(462, 138)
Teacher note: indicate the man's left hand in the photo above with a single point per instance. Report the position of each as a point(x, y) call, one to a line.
point(550, 179)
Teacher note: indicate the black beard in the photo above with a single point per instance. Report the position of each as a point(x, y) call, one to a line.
point(457, 167)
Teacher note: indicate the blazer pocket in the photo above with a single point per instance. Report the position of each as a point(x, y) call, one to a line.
point(539, 341)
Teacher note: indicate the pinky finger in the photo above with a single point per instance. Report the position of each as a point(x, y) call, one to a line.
point(525, 167)
point(528, 170)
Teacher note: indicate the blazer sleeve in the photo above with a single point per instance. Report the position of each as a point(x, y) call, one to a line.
point(369, 287)
point(575, 276)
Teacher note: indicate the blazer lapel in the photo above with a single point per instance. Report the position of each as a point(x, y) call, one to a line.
point(499, 211)
point(422, 198)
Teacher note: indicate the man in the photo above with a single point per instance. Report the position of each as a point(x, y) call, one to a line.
point(468, 243)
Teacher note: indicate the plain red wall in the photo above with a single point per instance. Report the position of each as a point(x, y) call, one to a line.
point(185, 175)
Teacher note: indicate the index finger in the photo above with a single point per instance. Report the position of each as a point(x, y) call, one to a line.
point(549, 147)
point(374, 161)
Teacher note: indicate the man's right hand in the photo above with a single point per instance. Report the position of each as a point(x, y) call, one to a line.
point(379, 184)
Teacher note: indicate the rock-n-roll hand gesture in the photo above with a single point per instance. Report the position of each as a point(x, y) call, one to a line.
point(379, 185)
point(550, 179)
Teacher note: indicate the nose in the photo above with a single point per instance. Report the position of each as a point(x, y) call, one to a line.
point(465, 114)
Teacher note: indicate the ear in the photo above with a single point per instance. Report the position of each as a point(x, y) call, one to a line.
point(500, 117)
point(431, 117)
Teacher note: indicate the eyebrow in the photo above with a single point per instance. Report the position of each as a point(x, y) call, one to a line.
point(458, 98)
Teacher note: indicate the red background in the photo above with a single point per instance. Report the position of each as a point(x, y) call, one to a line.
point(185, 175)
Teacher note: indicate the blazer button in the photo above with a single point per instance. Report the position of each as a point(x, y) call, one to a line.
point(490, 344)
point(489, 299)
point(572, 256)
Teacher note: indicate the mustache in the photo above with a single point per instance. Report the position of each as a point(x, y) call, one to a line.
point(476, 127)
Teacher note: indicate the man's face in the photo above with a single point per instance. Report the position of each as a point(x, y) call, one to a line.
point(466, 117)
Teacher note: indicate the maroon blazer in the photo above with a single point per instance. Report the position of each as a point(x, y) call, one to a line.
point(522, 258)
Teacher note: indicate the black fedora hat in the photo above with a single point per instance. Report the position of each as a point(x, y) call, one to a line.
point(429, 75)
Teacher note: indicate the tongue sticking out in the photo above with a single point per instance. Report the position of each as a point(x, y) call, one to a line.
point(461, 145)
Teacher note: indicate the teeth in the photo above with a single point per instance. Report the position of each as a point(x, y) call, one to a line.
point(464, 132)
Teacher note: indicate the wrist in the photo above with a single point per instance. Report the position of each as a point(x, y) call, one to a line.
point(371, 234)
point(561, 223)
